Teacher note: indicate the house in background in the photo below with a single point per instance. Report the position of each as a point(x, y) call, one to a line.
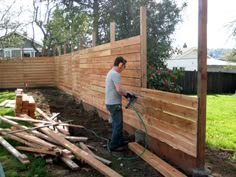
point(23, 49)
point(188, 61)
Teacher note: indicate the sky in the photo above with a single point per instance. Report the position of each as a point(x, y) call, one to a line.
point(220, 14)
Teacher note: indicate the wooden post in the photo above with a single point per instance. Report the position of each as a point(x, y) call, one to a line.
point(202, 82)
point(143, 31)
point(94, 39)
point(112, 31)
point(81, 42)
point(72, 47)
point(22, 52)
point(59, 50)
point(64, 48)
point(54, 51)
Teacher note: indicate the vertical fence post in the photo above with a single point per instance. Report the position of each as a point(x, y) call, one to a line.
point(72, 47)
point(94, 40)
point(112, 32)
point(143, 31)
point(202, 83)
point(59, 50)
point(65, 48)
point(54, 51)
point(22, 52)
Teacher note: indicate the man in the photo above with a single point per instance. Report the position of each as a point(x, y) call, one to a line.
point(114, 93)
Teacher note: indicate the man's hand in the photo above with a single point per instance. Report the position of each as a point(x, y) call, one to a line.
point(129, 95)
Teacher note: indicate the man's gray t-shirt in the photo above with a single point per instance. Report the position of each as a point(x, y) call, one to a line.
point(112, 96)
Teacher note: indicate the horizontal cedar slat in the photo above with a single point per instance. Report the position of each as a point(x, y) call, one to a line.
point(175, 109)
point(163, 136)
point(126, 42)
point(171, 97)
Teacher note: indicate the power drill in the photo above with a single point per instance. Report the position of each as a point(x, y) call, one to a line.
point(131, 99)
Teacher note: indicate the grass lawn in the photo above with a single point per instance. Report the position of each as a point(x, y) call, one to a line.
point(221, 122)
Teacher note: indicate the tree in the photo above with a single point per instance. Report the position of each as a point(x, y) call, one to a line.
point(9, 24)
point(231, 55)
point(42, 12)
point(69, 25)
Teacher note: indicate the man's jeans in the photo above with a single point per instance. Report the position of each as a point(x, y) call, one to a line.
point(117, 125)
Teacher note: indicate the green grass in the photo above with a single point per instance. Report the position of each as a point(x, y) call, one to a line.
point(221, 122)
point(12, 166)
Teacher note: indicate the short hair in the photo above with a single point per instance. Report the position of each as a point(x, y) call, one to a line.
point(119, 60)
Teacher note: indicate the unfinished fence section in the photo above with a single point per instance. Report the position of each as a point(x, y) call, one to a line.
point(27, 72)
point(171, 122)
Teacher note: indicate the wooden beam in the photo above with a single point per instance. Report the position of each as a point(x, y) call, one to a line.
point(54, 51)
point(72, 165)
point(143, 31)
point(64, 48)
point(16, 138)
point(76, 138)
point(40, 151)
point(21, 157)
point(94, 39)
point(202, 82)
point(82, 154)
point(85, 148)
point(112, 31)
point(161, 166)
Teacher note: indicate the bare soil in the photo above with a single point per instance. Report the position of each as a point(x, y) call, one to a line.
point(52, 100)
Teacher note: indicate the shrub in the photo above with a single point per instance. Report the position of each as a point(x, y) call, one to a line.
point(162, 78)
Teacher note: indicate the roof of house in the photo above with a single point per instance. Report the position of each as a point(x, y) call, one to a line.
point(210, 60)
point(26, 37)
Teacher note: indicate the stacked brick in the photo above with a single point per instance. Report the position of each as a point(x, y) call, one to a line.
point(25, 104)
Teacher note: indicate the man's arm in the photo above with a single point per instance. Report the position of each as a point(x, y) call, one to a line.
point(120, 90)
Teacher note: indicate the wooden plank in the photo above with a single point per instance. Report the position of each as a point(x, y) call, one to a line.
point(30, 144)
point(40, 151)
point(112, 31)
point(76, 138)
point(126, 42)
point(21, 157)
point(82, 154)
point(181, 99)
point(85, 148)
point(174, 109)
point(202, 83)
point(143, 36)
point(72, 165)
point(2, 104)
point(170, 138)
point(160, 165)
point(126, 50)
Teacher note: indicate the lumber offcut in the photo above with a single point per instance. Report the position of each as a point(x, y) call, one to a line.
point(160, 165)
point(21, 157)
point(82, 154)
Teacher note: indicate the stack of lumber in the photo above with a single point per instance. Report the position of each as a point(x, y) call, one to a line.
point(49, 137)
point(25, 104)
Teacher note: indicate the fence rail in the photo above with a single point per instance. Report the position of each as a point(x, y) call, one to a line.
point(217, 82)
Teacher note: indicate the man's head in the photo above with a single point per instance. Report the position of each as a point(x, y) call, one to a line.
point(120, 62)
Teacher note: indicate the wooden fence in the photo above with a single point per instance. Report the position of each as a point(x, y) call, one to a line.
point(217, 82)
point(171, 119)
point(27, 72)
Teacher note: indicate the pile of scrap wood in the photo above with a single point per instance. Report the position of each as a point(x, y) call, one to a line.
point(50, 137)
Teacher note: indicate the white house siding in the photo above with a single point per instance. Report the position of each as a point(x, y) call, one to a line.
point(187, 64)
point(188, 61)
